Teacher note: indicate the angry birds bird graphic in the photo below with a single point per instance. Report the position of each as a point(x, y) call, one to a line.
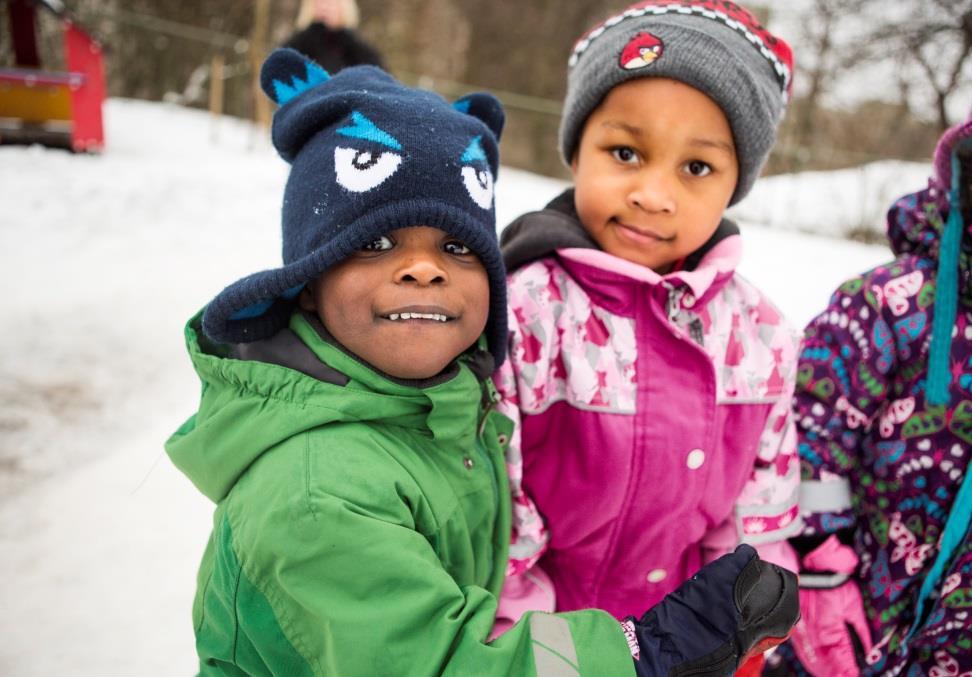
point(641, 51)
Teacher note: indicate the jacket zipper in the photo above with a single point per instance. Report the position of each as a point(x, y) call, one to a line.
point(481, 450)
point(489, 397)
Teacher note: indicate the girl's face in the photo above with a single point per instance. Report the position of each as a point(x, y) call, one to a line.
point(654, 171)
point(408, 303)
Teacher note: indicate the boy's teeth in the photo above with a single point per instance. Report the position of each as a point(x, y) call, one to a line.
point(418, 316)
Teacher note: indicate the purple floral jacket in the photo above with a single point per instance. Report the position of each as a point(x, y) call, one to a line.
point(876, 456)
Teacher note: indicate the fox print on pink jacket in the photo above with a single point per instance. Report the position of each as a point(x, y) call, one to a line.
point(653, 417)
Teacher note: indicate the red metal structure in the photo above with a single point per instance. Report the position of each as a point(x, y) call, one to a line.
point(58, 108)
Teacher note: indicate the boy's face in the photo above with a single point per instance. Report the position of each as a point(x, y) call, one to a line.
point(408, 303)
point(654, 171)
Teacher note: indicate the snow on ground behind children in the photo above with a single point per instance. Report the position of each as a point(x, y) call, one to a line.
point(102, 259)
point(841, 203)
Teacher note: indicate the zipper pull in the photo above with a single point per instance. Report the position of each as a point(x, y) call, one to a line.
point(482, 421)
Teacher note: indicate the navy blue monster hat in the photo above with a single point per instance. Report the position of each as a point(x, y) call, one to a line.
point(368, 155)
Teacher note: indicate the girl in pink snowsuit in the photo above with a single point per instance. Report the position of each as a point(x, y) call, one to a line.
point(651, 384)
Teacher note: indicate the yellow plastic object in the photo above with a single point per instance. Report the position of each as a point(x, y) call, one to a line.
point(36, 102)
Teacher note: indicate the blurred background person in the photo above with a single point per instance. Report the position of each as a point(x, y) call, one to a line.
point(326, 33)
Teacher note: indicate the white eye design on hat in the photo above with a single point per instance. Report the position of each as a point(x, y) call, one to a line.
point(477, 177)
point(360, 170)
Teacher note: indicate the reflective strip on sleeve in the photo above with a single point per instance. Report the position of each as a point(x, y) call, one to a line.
point(831, 496)
point(817, 581)
point(766, 523)
point(554, 654)
point(769, 509)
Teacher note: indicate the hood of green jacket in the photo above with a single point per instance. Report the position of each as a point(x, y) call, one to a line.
point(248, 406)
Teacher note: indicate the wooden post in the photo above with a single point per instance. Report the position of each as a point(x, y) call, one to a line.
point(216, 90)
point(258, 52)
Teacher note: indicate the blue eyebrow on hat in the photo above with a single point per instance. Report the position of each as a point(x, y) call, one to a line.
point(474, 151)
point(363, 128)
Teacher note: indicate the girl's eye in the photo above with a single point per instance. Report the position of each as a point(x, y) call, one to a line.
point(379, 244)
point(457, 248)
point(698, 168)
point(624, 154)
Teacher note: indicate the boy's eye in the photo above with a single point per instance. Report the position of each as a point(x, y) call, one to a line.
point(698, 168)
point(379, 244)
point(457, 248)
point(624, 154)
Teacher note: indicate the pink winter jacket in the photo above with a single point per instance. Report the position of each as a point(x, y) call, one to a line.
point(653, 425)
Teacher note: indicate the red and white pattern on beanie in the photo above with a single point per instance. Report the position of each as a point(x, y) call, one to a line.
point(739, 19)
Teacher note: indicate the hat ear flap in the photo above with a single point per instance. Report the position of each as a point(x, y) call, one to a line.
point(484, 106)
point(287, 73)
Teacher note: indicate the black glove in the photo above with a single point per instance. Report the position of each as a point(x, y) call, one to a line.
point(732, 609)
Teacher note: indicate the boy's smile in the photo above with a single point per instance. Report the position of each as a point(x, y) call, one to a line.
point(407, 303)
point(654, 171)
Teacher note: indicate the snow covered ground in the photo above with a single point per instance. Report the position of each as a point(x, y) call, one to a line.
point(101, 261)
point(839, 203)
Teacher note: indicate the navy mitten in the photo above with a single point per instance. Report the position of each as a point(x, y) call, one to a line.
point(732, 609)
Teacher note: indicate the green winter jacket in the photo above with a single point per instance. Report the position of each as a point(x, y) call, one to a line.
point(361, 524)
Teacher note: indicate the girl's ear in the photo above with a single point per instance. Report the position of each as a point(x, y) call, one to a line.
point(486, 107)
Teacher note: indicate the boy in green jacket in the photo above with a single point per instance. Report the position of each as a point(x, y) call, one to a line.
point(346, 430)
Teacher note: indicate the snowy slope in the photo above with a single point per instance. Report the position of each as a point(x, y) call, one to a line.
point(101, 261)
point(837, 203)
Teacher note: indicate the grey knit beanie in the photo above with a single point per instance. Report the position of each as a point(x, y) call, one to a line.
point(714, 46)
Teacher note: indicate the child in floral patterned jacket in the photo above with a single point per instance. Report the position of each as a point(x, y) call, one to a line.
point(884, 402)
point(651, 384)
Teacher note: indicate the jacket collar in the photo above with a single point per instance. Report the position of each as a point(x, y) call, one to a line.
point(254, 400)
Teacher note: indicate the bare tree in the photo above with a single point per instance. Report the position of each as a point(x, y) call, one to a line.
point(948, 44)
point(930, 38)
point(824, 62)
